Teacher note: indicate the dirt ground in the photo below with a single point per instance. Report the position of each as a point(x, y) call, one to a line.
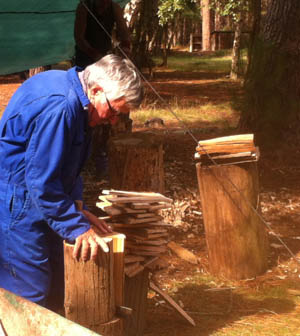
point(266, 305)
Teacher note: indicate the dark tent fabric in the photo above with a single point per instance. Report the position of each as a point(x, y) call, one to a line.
point(36, 32)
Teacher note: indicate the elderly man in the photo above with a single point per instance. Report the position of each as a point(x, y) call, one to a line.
point(44, 141)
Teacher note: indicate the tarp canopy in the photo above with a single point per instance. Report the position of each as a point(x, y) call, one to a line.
point(36, 32)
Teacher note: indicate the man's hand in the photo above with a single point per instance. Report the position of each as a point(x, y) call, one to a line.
point(98, 223)
point(87, 245)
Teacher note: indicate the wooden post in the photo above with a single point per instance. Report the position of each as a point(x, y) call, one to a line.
point(136, 162)
point(235, 235)
point(93, 289)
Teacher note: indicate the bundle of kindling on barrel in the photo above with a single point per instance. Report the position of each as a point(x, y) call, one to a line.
point(227, 150)
point(136, 214)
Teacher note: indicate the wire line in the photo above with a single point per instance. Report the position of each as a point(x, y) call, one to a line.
point(188, 130)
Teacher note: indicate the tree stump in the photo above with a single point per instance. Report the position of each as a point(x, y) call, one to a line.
point(235, 234)
point(136, 163)
point(136, 291)
point(94, 288)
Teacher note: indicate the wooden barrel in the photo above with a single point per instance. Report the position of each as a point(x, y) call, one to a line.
point(235, 234)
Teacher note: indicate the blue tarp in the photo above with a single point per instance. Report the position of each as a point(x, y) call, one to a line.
point(36, 32)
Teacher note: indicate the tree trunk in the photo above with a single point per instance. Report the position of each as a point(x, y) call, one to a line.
point(206, 25)
point(93, 289)
point(144, 31)
point(256, 19)
point(165, 46)
point(216, 37)
point(236, 51)
point(136, 163)
point(235, 235)
point(272, 86)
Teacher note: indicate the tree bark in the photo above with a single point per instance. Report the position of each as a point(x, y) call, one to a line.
point(216, 37)
point(144, 31)
point(136, 290)
point(272, 85)
point(94, 288)
point(236, 51)
point(136, 163)
point(256, 20)
point(206, 25)
point(235, 235)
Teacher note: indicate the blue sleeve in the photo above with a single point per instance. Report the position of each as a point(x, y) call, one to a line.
point(47, 149)
point(77, 191)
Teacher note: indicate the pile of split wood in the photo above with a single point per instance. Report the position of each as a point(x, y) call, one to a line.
point(226, 150)
point(136, 214)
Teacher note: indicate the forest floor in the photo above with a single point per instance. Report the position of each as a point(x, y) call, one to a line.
point(268, 304)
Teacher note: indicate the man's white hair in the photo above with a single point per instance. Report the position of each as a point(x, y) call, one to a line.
point(118, 78)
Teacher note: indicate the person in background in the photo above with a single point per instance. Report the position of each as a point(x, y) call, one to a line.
point(45, 135)
point(94, 41)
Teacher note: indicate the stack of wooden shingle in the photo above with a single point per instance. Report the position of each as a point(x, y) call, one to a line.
point(227, 150)
point(136, 215)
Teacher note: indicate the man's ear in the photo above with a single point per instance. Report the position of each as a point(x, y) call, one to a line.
point(94, 91)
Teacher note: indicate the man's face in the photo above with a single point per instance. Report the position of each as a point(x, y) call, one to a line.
point(103, 111)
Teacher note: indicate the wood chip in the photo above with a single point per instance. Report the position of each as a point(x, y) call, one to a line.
point(172, 303)
point(183, 253)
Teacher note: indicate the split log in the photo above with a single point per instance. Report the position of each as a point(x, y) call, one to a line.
point(235, 234)
point(136, 163)
point(93, 289)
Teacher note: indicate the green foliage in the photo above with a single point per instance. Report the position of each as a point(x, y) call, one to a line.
point(168, 9)
point(232, 8)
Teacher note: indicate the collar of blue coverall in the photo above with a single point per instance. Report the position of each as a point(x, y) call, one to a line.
point(73, 74)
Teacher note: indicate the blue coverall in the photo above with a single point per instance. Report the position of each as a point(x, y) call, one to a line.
point(44, 142)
